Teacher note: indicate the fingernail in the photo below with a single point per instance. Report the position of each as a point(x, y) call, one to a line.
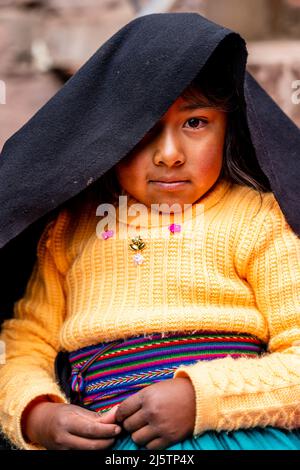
point(117, 429)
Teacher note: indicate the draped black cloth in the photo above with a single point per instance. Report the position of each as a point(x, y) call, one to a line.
point(105, 109)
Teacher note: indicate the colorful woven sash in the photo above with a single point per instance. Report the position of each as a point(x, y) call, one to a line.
point(104, 375)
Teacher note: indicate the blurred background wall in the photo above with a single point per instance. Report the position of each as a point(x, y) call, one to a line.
point(44, 42)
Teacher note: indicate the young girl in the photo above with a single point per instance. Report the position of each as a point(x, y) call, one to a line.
point(179, 332)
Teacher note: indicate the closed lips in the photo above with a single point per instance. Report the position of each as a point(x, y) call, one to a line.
point(168, 181)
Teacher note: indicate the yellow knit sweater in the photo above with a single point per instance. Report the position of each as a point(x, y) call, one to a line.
point(235, 266)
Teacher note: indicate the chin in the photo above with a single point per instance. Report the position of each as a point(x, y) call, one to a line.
point(176, 205)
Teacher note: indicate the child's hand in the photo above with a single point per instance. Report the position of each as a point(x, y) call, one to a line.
point(161, 414)
point(61, 427)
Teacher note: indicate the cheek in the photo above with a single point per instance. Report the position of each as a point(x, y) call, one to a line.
point(214, 149)
point(208, 166)
point(122, 174)
point(129, 172)
point(211, 157)
point(134, 163)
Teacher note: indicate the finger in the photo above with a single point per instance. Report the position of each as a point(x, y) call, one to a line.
point(156, 444)
point(135, 421)
point(129, 406)
point(84, 412)
point(80, 443)
point(92, 429)
point(109, 416)
point(144, 435)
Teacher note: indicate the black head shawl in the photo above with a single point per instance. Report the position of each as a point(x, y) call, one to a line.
point(105, 109)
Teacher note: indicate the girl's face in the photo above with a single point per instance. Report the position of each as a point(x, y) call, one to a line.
point(185, 146)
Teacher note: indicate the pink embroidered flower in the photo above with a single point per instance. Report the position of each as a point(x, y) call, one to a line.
point(107, 234)
point(174, 228)
point(138, 259)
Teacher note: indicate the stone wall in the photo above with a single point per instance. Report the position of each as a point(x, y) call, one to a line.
point(276, 66)
point(43, 42)
point(258, 19)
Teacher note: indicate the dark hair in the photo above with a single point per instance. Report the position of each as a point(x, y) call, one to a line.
point(108, 188)
point(217, 86)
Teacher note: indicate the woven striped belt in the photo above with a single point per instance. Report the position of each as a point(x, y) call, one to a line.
point(103, 375)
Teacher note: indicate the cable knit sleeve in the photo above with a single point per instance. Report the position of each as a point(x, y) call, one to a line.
point(31, 339)
point(248, 392)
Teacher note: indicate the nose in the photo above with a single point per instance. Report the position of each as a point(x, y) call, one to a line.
point(167, 150)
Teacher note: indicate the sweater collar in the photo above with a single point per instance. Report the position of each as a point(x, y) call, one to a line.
point(134, 214)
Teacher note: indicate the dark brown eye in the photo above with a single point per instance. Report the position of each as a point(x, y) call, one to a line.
point(194, 122)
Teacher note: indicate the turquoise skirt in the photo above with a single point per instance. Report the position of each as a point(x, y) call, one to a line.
point(268, 438)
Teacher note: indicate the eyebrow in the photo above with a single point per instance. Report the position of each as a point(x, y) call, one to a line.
point(193, 106)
